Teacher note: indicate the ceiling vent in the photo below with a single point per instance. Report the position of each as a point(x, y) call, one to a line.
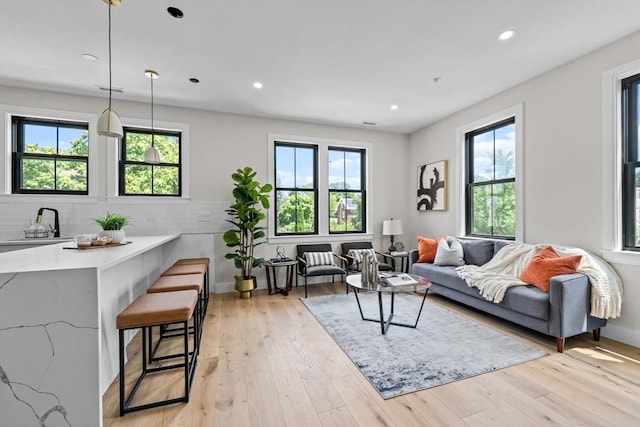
point(113, 89)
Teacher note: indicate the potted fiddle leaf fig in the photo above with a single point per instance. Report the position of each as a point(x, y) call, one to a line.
point(246, 232)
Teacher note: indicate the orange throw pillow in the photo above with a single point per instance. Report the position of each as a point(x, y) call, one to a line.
point(426, 249)
point(546, 264)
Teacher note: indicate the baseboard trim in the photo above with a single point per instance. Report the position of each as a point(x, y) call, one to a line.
point(622, 334)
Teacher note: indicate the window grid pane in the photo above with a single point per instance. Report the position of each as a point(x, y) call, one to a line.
point(295, 212)
point(491, 197)
point(71, 175)
point(345, 212)
point(295, 189)
point(50, 156)
point(345, 176)
point(38, 174)
point(631, 160)
point(139, 178)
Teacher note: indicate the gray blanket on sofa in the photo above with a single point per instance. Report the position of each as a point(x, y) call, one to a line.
point(502, 272)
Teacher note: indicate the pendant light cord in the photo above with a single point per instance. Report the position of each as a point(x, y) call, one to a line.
point(109, 55)
point(152, 132)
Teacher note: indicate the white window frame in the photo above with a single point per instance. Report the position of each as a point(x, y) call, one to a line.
point(323, 145)
point(517, 113)
point(7, 112)
point(612, 164)
point(113, 170)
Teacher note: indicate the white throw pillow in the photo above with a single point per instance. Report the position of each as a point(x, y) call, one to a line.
point(319, 258)
point(358, 254)
point(449, 252)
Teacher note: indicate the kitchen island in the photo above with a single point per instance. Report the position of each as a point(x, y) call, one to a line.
point(58, 339)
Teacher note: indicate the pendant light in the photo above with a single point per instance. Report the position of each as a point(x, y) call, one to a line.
point(109, 123)
point(151, 155)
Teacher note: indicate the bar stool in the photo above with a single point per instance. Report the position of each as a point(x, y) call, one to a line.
point(145, 312)
point(192, 266)
point(178, 283)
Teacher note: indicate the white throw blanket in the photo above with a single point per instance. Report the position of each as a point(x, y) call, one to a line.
point(502, 272)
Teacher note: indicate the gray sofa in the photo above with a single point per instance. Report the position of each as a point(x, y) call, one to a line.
point(562, 312)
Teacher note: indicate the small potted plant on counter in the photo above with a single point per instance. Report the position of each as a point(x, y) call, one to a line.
point(112, 226)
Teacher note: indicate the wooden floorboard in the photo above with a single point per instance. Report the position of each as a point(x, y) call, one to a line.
point(266, 361)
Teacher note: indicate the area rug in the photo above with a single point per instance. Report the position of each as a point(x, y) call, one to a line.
point(445, 347)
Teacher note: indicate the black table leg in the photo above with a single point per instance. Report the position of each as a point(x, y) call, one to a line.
point(267, 268)
point(384, 324)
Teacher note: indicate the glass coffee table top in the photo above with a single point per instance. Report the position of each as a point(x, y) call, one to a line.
point(390, 284)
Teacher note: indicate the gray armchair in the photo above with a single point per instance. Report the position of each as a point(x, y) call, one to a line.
point(307, 269)
point(385, 262)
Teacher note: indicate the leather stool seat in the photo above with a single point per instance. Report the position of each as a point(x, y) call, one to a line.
point(192, 266)
point(153, 310)
point(178, 283)
point(159, 309)
point(179, 269)
point(187, 261)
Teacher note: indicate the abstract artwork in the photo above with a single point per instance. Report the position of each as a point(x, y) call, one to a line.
point(432, 186)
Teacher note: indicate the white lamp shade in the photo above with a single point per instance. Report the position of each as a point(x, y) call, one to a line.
point(152, 156)
point(391, 227)
point(109, 124)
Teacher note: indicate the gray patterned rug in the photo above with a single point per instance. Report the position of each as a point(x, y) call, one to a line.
point(445, 347)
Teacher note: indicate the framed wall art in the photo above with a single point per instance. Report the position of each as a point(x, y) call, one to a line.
point(432, 186)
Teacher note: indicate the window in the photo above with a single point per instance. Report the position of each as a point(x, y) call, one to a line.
point(296, 191)
point(49, 156)
point(631, 162)
point(137, 178)
point(346, 191)
point(320, 187)
point(490, 192)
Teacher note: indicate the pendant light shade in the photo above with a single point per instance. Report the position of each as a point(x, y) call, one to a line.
point(109, 123)
point(151, 155)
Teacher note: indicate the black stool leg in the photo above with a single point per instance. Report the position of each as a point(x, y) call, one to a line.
point(122, 373)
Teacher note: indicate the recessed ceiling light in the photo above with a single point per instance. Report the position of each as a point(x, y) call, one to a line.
point(506, 35)
point(369, 123)
point(394, 107)
point(175, 12)
point(436, 79)
point(194, 80)
point(257, 85)
point(89, 57)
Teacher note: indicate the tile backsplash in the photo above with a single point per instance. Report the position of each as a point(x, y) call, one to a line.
point(145, 219)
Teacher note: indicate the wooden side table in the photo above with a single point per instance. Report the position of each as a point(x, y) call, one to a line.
point(270, 267)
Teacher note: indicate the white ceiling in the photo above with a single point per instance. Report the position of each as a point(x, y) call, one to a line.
point(327, 61)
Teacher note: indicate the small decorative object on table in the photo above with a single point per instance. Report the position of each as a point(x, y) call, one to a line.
point(370, 270)
point(280, 256)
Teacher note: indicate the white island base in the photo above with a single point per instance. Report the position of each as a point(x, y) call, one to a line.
point(58, 340)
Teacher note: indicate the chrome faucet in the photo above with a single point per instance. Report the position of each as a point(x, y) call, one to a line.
point(56, 220)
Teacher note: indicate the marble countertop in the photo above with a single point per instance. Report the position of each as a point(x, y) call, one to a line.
point(35, 241)
point(56, 257)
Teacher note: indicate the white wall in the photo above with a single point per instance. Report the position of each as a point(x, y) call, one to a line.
point(219, 144)
point(562, 164)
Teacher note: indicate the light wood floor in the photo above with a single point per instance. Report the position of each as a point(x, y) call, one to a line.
point(267, 362)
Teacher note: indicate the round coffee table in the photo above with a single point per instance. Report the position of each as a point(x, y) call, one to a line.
point(392, 285)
